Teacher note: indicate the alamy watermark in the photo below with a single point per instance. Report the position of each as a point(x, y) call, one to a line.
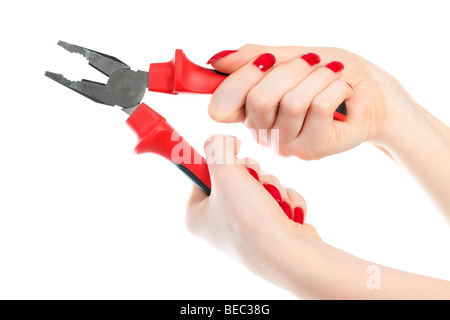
point(182, 152)
point(374, 280)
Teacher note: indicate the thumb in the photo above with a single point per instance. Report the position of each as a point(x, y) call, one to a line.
point(220, 154)
point(221, 150)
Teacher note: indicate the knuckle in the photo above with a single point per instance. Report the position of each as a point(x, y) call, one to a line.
point(308, 154)
point(304, 155)
point(216, 113)
point(321, 106)
point(260, 100)
point(342, 86)
point(268, 178)
point(272, 178)
point(285, 150)
point(292, 106)
point(298, 198)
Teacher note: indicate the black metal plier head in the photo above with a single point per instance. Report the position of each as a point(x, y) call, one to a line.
point(125, 87)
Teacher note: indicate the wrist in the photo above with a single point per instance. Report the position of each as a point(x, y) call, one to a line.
point(406, 132)
point(283, 255)
point(304, 265)
point(420, 143)
point(395, 123)
point(320, 271)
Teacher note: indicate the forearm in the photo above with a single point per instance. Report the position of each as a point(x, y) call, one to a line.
point(421, 144)
point(324, 272)
point(353, 278)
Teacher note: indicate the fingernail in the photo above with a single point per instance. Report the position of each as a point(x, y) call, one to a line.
point(311, 58)
point(335, 66)
point(286, 208)
point(349, 85)
point(253, 173)
point(265, 62)
point(276, 194)
point(299, 215)
point(220, 55)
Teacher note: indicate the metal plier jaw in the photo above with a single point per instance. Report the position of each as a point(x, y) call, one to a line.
point(125, 88)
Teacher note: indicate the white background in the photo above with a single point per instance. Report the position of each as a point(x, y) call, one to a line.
point(83, 217)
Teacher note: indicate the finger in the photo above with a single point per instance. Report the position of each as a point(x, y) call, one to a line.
point(299, 205)
point(274, 187)
point(325, 103)
point(228, 100)
point(253, 167)
point(218, 150)
point(252, 163)
point(353, 130)
point(235, 59)
point(299, 216)
point(224, 168)
point(262, 101)
point(228, 61)
point(221, 150)
point(319, 130)
point(278, 192)
point(295, 104)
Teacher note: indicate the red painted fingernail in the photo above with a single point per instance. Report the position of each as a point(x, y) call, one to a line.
point(276, 194)
point(335, 66)
point(349, 85)
point(286, 208)
point(253, 173)
point(220, 55)
point(265, 62)
point(299, 215)
point(311, 58)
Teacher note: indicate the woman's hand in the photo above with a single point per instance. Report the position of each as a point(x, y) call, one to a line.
point(249, 214)
point(246, 205)
point(296, 90)
point(253, 218)
point(288, 89)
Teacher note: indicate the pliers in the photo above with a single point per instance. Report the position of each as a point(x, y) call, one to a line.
point(126, 88)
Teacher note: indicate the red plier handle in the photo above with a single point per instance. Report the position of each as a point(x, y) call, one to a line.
point(157, 136)
point(181, 75)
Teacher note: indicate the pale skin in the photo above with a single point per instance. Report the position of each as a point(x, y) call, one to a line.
point(241, 217)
